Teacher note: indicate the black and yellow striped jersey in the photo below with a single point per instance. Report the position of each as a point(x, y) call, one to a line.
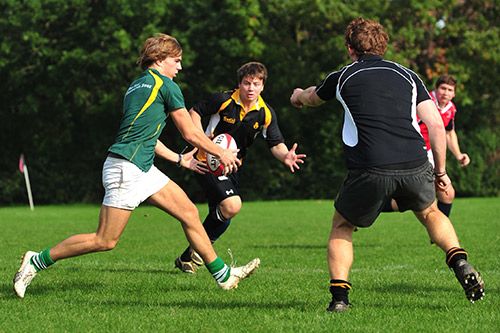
point(227, 115)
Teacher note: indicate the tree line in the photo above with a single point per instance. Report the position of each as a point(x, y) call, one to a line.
point(65, 66)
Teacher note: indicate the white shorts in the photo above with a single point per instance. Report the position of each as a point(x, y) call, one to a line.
point(127, 186)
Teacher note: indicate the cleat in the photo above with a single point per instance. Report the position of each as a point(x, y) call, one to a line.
point(186, 266)
point(189, 267)
point(337, 306)
point(239, 273)
point(470, 280)
point(25, 274)
point(196, 258)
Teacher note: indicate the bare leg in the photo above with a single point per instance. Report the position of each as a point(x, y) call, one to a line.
point(112, 222)
point(229, 207)
point(340, 252)
point(438, 227)
point(394, 205)
point(173, 200)
point(446, 196)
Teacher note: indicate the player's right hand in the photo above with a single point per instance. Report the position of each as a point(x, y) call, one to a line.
point(230, 161)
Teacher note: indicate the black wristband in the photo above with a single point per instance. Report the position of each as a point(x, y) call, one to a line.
point(179, 161)
point(440, 174)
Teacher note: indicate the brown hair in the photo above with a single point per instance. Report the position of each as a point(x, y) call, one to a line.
point(447, 79)
point(158, 47)
point(254, 70)
point(365, 36)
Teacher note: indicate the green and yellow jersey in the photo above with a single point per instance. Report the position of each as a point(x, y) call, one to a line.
point(146, 106)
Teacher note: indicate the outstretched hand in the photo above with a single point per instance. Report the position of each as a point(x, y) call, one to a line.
point(291, 159)
point(189, 162)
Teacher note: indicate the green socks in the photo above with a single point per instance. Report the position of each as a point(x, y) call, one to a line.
point(42, 260)
point(219, 270)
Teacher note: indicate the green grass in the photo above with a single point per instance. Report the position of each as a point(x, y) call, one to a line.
point(400, 282)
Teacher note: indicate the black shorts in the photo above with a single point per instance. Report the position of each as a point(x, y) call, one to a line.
point(219, 188)
point(365, 191)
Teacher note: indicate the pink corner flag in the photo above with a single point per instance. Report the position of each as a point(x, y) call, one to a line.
point(21, 163)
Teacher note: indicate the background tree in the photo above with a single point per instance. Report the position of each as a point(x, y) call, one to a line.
point(65, 66)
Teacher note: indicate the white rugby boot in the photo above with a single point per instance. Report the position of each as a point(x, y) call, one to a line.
point(239, 273)
point(25, 274)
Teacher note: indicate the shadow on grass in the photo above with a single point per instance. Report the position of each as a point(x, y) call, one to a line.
point(7, 291)
point(72, 284)
point(138, 270)
point(412, 289)
point(288, 246)
point(78, 286)
point(306, 246)
point(201, 305)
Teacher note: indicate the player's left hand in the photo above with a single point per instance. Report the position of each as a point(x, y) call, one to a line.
point(291, 158)
point(189, 162)
point(464, 159)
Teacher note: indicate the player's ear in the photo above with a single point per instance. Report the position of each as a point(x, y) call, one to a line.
point(159, 62)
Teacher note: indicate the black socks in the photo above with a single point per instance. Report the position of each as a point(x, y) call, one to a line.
point(455, 254)
point(340, 290)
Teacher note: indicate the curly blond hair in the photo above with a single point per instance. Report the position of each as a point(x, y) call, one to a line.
point(158, 47)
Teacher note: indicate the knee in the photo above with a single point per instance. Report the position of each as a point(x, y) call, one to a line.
point(103, 244)
point(340, 224)
point(191, 212)
point(189, 215)
point(430, 215)
point(451, 193)
point(447, 196)
point(230, 208)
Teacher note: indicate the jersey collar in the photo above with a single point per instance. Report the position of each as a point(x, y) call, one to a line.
point(236, 97)
point(446, 107)
point(370, 57)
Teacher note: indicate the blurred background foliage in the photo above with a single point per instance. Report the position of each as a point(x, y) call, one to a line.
point(65, 66)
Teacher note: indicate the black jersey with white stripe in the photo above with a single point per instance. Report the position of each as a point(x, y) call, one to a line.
point(379, 98)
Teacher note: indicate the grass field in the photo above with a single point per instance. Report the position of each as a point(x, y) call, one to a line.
point(400, 282)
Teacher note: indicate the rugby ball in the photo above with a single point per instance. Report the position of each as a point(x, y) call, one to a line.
point(225, 141)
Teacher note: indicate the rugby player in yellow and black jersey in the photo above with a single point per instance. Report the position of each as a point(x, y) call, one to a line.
point(243, 114)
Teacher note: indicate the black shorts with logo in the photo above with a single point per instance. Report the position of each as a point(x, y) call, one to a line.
point(365, 191)
point(219, 188)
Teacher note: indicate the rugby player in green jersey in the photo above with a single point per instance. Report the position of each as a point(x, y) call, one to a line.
point(130, 178)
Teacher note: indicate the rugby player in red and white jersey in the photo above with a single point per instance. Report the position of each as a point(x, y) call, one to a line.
point(442, 95)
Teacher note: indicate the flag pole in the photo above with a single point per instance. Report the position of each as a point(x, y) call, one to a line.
point(28, 187)
point(24, 169)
